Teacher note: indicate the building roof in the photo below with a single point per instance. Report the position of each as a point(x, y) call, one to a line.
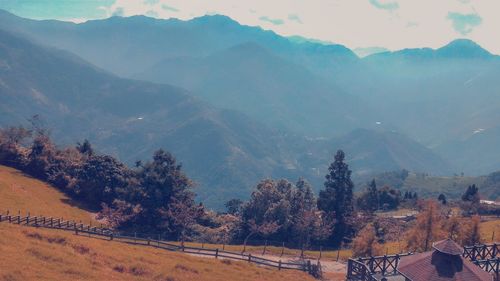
point(448, 246)
point(439, 266)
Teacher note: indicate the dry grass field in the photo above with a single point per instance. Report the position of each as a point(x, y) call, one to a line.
point(19, 192)
point(44, 254)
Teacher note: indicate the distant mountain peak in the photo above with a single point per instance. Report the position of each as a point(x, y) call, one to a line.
point(214, 19)
point(463, 48)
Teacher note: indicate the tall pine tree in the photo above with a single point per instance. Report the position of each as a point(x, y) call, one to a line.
point(336, 200)
point(373, 198)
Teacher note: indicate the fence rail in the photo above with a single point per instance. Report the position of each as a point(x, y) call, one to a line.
point(366, 269)
point(482, 252)
point(487, 257)
point(387, 264)
point(80, 228)
point(490, 265)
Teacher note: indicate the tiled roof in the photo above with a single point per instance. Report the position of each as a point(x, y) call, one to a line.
point(438, 266)
point(447, 246)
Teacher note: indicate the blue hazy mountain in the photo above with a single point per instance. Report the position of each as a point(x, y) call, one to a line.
point(286, 89)
point(250, 78)
point(156, 49)
point(126, 46)
point(224, 151)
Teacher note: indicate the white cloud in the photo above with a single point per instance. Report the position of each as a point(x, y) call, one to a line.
point(392, 24)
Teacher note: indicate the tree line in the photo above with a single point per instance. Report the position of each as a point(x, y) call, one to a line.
point(156, 196)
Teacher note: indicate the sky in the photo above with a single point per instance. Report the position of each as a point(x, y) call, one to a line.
point(357, 24)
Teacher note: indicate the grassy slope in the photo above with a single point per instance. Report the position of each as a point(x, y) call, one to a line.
point(43, 254)
point(19, 192)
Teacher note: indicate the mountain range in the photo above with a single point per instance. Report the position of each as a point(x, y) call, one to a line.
point(236, 104)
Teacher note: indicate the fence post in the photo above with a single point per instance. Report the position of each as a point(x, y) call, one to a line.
point(279, 265)
point(149, 241)
point(223, 246)
point(384, 265)
point(36, 221)
point(76, 230)
point(302, 251)
point(249, 257)
point(216, 252)
point(265, 246)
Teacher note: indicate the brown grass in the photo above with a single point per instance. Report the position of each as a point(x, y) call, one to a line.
point(45, 254)
point(490, 231)
point(21, 192)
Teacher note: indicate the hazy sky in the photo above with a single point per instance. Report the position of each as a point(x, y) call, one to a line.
point(392, 24)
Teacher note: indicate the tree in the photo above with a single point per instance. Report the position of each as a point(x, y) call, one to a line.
point(307, 222)
point(366, 244)
point(40, 157)
point(180, 217)
point(426, 229)
point(471, 234)
point(336, 200)
point(264, 229)
point(442, 199)
point(85, 148)
point(372, 196)
point(100, 179)
point(15, 135)
point(471, 194)
point(269, 206)
point(471, 200)
point(453, 227)
point(305, 194)
point(12, 152)
point(233, 206)
point(119, 213)
point(158, 184)
point(388, 197)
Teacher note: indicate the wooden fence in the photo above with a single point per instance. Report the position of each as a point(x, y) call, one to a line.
point(490, 265)
point(385, 265)
point(366, 269)
point(82, 229)
point(482, 252)
point(487, 257)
